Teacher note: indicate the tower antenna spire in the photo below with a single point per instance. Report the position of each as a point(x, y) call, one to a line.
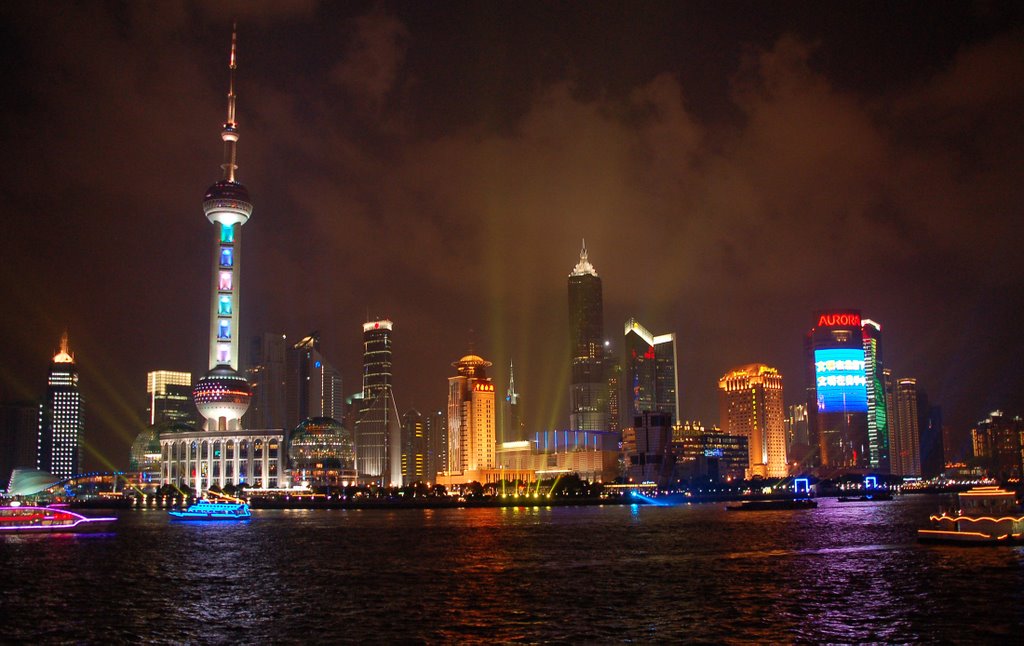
point(230, 132)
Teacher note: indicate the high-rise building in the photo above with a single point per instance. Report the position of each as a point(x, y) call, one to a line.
point(837, 399)
point(378, 429)
point(313, 385)
point(906, 441)
point(588, 394)
point(414, 448)
point(751, 406)
point(19, 432)
point(648, 454)
point(613, 374)
point(650, 373)
point(932, 457)
point(512, 429)
point(223, 453)
point(471, 420)
point(797, 433)
point(170, 397)
point(437, 438)
point(61, 419)
point(267, 374)
point(997, 445)
point(878, 416)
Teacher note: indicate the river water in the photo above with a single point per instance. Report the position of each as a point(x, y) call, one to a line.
point(848, 572)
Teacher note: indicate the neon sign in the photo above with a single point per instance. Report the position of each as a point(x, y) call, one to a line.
point(839, 319)
point(840, 381)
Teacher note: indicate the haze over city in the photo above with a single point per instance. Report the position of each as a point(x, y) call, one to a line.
point(732, 166)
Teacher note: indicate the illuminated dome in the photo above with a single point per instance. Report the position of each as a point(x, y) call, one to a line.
point(472, 366)
point(322, 443)
point(227, 202)
point(222, 394)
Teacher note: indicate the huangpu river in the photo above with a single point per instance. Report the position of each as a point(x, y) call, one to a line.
point(843, 573)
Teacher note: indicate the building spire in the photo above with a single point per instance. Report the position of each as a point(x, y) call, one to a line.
point(583, 267)
point(230, 132)
point(511, 396)
point(64, 356)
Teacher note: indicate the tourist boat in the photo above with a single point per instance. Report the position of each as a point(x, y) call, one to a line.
point(16, 519)
point(769, 505)
point(981, 516)
point(211, 510)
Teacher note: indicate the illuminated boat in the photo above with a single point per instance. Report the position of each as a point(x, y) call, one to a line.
point(868, 497)
point(18, 520)
point(769, 505)
point(981, 516)
point(210, 510)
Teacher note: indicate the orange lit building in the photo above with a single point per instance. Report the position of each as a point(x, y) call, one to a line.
point(471, 422)
point(751, 406)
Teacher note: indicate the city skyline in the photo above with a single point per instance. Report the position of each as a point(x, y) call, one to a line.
point(331, 226)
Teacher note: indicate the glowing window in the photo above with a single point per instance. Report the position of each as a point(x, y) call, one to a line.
point(225, 281)
point(227, 256)
point(227, 233)
point(222, 352)
point(224, 329)
point(224, 305)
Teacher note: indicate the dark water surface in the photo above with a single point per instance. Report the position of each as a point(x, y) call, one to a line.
point(840, 573)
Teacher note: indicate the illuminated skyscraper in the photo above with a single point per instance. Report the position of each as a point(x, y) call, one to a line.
point(797, 433)
point(650, 373)
point(60, 418)
point(588, 394)
point(906, 441)
point(878, 414)
point(414, 448)
point(223, 453)
point(378, 429)
point(751, 406)
point(837, 399)
point(471, 420)
point(170, 397)
point(437, 437)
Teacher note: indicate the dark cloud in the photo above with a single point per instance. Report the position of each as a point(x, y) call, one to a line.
point(404, 165)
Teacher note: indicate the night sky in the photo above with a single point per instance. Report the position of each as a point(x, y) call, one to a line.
point(733, 166)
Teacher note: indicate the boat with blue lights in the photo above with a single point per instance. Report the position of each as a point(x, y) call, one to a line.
point(980, 516)
point(21, 519)
point(213, 510)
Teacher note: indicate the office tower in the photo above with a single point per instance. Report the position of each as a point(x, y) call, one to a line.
point(378, 430)
point(588, 392)
point(932, 458)
point(997, 445)
point(414, 448)
point(471, 432)
point(313, 384)
point(170, 397)
point(512, 427)
point(837, 399)
point(906, 441)
point(878, 416)
point(650, 373)
point(649, 452)
point(61, 421)
point(613, 375)
point(437, 434)
point(751, 406)
point(223, 454)
point(19, 431)
point(797, 433)
point(267, 374)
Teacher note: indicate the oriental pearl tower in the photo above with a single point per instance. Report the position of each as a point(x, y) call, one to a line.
point(223, 395)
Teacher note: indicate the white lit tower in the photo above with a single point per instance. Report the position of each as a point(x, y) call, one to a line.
point(223, 395)
point(60, 418)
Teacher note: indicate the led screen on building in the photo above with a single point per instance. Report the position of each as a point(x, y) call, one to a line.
point(841, 384)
